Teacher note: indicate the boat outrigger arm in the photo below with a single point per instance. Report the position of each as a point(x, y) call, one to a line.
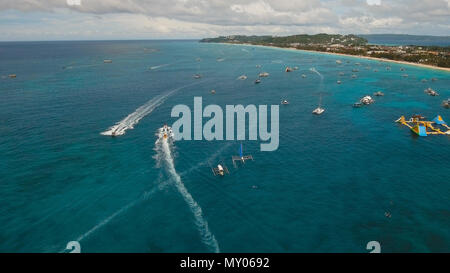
point(242, 158)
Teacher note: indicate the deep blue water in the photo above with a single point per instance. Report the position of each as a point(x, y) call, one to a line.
point(326, 189)
point(398, 39)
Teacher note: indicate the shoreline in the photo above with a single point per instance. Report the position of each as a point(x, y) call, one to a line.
point(354, 56)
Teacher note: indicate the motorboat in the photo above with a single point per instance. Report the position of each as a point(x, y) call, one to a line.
point(378, 94)
point(288, 69)
point(197, 76)
point(431, 92)
point(264, 74)
point(367, 100)
point(166, 132)
point(446, 103)
point(284, 102)
point(242, 77)
point(257, 81)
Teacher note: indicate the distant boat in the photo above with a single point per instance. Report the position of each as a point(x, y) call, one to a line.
point(433, 79)
point(405, 75)
point(367, 100)
point(257, 81)
point(303, 76)
point(213, 91)
point(107, 61)
point(288, 69)
point(355, 70)
point(295, 68)
point(319, 110)
point(424, 80)
point(354, 76)
point(341, 73)
point(378, 94)
point(446, 103)
point(431, 92)
point(243, 77)
point(339, 82)
point(264, 74)
point(12, 76)
point(197, 76)
point(285, 102)
point(338, 61)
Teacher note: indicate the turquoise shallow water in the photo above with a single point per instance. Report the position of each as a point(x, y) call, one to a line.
point(326, 189)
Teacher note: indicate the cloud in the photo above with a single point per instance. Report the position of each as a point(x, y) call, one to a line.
point(200, 18)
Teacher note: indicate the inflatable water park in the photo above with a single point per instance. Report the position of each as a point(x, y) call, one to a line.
point(418, 125)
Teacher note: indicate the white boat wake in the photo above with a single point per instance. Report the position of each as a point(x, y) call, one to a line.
point(164, 153)
point(132, 119)
point(317, 72)
point(158, 66)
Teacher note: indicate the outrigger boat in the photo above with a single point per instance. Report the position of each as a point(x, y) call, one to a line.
point(420, 126)
point(242, 158)
point(220, 170)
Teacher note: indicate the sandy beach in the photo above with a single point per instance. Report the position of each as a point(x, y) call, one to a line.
point(357, 56)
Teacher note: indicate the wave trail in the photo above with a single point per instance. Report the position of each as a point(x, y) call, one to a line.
point(163, 148)
point(132, 119)
point(317, 72)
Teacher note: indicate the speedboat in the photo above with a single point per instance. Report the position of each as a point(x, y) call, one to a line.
point(285, 102)
point(166, 132)
point(257, 81)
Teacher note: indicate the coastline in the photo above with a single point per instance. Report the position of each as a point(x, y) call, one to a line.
point(354, 56)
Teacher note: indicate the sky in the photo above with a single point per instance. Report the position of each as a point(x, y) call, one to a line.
point(25, 20)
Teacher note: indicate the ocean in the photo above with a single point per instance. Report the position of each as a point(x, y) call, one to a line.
point(327, 188)
point(405, 40)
